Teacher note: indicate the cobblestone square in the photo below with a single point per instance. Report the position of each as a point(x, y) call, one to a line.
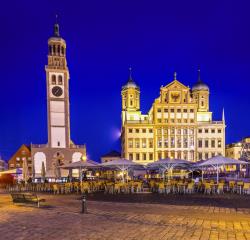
point(60, 218)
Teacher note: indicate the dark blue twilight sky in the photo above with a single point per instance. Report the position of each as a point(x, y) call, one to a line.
point(103, 39)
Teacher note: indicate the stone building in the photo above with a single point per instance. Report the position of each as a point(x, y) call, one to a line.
point(178, 125)
point(60, 149)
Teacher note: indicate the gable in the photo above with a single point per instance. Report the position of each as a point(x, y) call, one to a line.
point(175, 85)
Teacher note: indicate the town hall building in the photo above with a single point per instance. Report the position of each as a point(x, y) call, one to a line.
point(178, 125)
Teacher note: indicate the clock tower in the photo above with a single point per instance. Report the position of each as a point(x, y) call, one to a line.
point(57, 78)
point(60, 149)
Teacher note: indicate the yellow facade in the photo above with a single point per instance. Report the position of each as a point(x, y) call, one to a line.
point(236, 150)
point(178, 125)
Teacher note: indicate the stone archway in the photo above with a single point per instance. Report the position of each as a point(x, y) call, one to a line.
point(39, 158)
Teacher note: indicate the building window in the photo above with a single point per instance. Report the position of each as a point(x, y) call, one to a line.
point(166, 143)
point(60, 80)
point(137, 156)
point(179, 142)
point(131, 156)
point(179, 154)
point(219, 130)
point(172, 131)
point(144, 143)
point(150, 156)
point(159, 110)
point(213, 154)
point(213, 143)
point(185, 155)
point(172, 142)
point(191, 131)
point(137, 143)
point(130, 130)
point(150, 130)
point(199, 156)
point(165, 110)
point(206, 130)
point(137, 130)
point(184, 110)
point(179, 131)
point(159, 131)
point(206, 143)
point(185, 142)
point(219, 143)
point(159, 156)
point(191, 110)
point(200, 143)
point(159, 120)
point(150, 143)
point(144, 130)
point(178, 110)
point(172, 110)
point(191, 120)
point(200, 130)
point(165, 131)
point(206, 155)
point(53, 80)
point(191, 142)
point(212, 130)
point(144, 156)
point(58, 144)
point(185, 131)
point(130, 143)
point(159, 143)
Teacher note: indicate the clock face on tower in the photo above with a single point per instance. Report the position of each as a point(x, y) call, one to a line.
point(57, 91)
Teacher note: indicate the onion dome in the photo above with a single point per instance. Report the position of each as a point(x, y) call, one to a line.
point(200, 85)
point(131, 83)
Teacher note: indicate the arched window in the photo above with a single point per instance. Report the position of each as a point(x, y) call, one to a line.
point(54, 49)
point(62, 49)
point(60, 80)
point(53, 79)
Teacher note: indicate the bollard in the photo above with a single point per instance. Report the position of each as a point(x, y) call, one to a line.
point(84, 204)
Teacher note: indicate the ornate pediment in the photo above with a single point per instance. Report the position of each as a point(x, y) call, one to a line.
point(174, 85)
point(174, 92)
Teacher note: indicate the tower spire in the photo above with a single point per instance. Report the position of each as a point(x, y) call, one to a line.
point(56, 28)
point(223, 115)
point(130, 79)
point(199, 74)
point(175, 75)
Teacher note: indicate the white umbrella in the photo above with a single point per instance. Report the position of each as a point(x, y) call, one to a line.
point(80, 164)
point(122, 164)
point(168, 164)
point(88, 164)
point(218, 161)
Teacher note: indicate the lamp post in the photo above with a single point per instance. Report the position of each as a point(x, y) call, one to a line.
point(84, 203)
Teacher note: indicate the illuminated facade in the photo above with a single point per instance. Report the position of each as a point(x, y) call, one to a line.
point(239, 150)
point(60, 149)
point(178, 125)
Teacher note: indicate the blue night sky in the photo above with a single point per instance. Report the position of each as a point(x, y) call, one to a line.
point(103, 39)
